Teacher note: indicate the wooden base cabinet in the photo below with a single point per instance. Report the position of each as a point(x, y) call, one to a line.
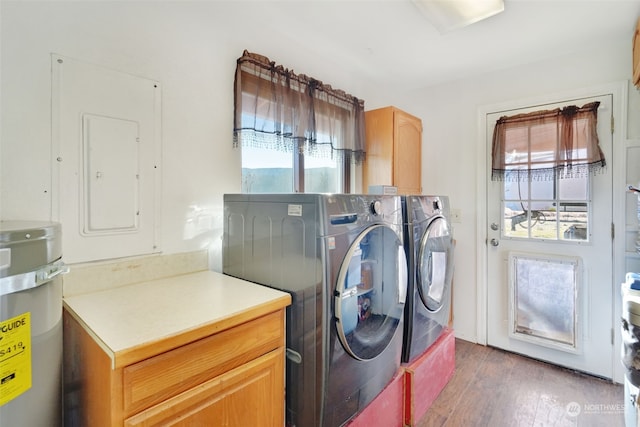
point(394, 150)
point(237, 398)
point(233, 377)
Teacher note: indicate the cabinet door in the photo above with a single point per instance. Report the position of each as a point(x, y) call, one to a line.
point(378, 166)
point(407, 153)
point(250, 395)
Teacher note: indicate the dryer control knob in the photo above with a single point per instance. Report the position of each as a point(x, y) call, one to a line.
point(376, 207)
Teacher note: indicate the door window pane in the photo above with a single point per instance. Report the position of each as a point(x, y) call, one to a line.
point(542, 221)
point(514, 214)
point(573, 188)
point(516, 190)
point(573, 217)
point(543, 189)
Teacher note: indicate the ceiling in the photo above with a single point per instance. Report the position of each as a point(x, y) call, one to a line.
point(391, 41)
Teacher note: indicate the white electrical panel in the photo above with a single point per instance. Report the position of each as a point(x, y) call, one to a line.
point(106, 154)
point(111, 171)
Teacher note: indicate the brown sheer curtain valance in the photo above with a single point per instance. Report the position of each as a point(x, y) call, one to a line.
point(278, 109)
point(546, 144)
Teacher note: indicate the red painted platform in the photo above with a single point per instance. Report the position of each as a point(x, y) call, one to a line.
point(427, 376)
point(414, 388)
point(387, 409)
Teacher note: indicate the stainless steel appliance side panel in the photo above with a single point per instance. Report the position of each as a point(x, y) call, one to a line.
point(31, 253)
point(422, 325)
point(352, 384)
point(28, 245)
point(41, 405)
point(297, 243)
point(273, 240)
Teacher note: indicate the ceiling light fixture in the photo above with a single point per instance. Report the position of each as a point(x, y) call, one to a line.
point(448, 15)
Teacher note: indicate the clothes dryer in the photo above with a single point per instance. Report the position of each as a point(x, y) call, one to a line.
point(429, 247)
point(342, 259)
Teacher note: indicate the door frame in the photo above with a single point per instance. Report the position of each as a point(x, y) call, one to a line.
point(619, 137)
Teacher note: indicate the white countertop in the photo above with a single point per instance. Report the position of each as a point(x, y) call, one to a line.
point(131, 316)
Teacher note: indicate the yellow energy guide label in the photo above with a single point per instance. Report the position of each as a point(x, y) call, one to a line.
point(15, 357)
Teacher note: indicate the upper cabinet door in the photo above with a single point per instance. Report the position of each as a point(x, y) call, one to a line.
point(394, 150)
point(407, 153)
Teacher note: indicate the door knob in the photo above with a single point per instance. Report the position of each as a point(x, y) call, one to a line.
point(494, 242)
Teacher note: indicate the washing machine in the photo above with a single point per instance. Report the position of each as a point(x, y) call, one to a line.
point(429, 246)
point(342, 259)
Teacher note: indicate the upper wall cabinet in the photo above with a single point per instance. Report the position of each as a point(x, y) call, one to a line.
point(394, 150)
point(636, 55)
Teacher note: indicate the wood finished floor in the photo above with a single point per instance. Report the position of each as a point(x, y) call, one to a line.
point(494, 388)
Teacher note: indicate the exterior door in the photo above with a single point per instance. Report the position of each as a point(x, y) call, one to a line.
point(370, 292)
point(549, 258)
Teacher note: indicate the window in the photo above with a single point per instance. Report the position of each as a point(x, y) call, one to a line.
point(544, 159)
point(296, 134)
point(265, 170)
point(268, 170)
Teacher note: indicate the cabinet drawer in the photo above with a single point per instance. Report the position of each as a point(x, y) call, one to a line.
point(156, 379)
point(242, 397)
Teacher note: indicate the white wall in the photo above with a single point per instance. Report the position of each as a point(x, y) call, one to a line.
point(450, 141)
point(191, 48)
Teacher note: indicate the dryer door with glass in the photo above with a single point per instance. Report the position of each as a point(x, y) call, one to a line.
point(370, 292)
point(434, 264)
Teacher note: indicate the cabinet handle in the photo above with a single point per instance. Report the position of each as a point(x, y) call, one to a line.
point(294, 356)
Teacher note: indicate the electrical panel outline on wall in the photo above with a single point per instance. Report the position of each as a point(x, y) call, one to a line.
point(106, 127)
point(111, 170)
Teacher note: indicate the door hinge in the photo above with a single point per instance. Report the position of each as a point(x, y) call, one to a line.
point(613, 125)
point(613, 231)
